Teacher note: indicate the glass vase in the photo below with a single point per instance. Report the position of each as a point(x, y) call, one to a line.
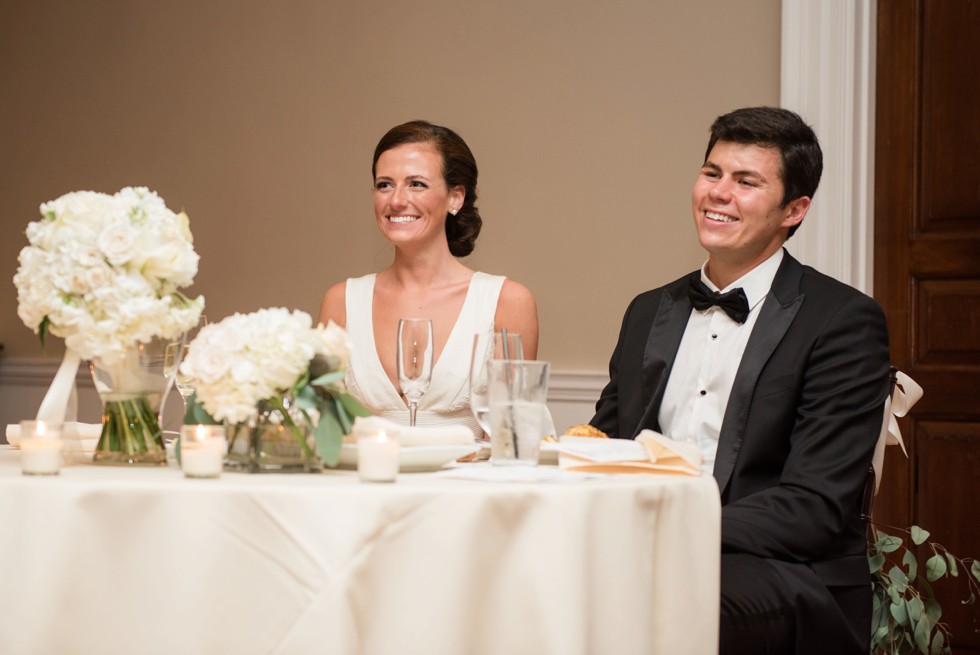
point(132, 386)
point(270, 443)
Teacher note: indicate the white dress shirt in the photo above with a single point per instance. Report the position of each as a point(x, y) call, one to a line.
point(708, 358)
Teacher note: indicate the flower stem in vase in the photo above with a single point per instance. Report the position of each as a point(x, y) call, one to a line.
point(130, 432)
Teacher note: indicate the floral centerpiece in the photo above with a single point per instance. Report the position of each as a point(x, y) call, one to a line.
point(277, 380)
point(104, 272)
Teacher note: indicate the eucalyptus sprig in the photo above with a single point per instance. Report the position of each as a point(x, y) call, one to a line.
point(906, 616)
point(335, 408)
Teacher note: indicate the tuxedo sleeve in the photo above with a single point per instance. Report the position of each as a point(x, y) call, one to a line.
point(607, 407)
point(835, 423)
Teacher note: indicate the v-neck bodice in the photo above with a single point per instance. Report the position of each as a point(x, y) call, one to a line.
point(447, 401)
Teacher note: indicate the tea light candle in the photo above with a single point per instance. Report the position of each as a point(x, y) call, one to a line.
point(377, 458)
point(40, 448)
point(202, 450)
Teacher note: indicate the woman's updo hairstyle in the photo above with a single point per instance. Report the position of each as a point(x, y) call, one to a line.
point(458, 169)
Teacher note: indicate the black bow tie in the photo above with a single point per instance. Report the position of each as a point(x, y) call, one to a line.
point(734, 302)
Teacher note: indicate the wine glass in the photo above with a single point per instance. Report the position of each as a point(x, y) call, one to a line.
point(414, 361)
point(176, 351)
point(488, 346)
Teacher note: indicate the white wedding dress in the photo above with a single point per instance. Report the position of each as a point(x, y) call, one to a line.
point(447, 401)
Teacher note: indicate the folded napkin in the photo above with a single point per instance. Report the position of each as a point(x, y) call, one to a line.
point(650, 452)
point(86, 433)
point(419, 435)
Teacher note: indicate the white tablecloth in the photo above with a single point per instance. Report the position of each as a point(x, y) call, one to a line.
point(108, 560)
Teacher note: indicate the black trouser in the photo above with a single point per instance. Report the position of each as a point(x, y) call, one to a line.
point(775, 607)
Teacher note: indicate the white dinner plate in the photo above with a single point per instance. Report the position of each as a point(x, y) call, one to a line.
point(413, 459)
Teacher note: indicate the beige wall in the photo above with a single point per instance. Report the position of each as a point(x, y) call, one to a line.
point(259, 119)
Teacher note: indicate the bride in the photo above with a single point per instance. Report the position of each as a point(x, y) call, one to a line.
point(425, 205)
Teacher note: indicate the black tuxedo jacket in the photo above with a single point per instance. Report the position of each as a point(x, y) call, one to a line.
point(802, 420)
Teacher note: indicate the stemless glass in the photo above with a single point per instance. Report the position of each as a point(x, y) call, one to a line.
point(518, 411)
point(487, 347)
point(414, 361)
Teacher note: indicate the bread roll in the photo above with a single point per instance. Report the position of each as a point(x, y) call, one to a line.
point(585, 430)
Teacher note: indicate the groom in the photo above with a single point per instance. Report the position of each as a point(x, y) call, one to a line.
point(779, 373)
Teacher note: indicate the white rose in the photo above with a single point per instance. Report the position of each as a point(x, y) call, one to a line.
point(207, 365)
point(116, 241)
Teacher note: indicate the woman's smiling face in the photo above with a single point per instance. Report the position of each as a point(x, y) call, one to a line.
point(410, 195)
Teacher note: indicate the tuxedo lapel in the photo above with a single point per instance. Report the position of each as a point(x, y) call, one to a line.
point(778, 311)
point(661, 348)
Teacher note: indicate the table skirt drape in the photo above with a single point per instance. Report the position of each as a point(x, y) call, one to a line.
point(109, 560)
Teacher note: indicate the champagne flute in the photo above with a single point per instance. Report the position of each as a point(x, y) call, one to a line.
point(486, 347)
point(414, 361)
point(175, 354)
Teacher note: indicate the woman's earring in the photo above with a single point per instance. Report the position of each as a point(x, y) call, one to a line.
point(453, 211)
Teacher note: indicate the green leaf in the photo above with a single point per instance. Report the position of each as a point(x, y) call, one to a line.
point(898, 577)
point(337, 409)
point(915, 609)
point(894, 595)
point(919, 535)
point(975, 569)
point(327, 378)
point(925, 589)
point(935, 568)
point(353, 407)
point(911, 565)
point(329, 439)
point(888, 544)
point(934, 610)
point(196, 414)
point(900, 612)
point(42, 329)
point(938, 641)
point(306, 397)
point(876, 562)
point(923, 630)
point(878, 635)
point(953, 570)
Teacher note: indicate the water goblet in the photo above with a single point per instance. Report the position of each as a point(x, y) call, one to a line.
point(414, 361)
point(487, 347)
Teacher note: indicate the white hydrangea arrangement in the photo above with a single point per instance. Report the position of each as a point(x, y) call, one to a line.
point(277, 357)
point(104, 271)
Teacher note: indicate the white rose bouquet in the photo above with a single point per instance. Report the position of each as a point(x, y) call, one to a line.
point(103, 272)
point(279, 359)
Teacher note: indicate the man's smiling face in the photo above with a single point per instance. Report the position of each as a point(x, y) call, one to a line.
point(737, 205)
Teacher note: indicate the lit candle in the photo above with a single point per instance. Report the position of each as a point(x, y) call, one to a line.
point(377, 458)
point(202, 450)
point(40, 448)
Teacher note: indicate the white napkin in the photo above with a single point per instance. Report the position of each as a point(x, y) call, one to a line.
point(420, 435)
point(83, 432)
point(650, 452)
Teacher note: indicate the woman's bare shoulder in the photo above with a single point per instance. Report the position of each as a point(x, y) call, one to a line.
point(516, 296)
point(333, 307)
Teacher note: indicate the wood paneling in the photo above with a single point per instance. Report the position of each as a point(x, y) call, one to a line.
point(927, 270)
